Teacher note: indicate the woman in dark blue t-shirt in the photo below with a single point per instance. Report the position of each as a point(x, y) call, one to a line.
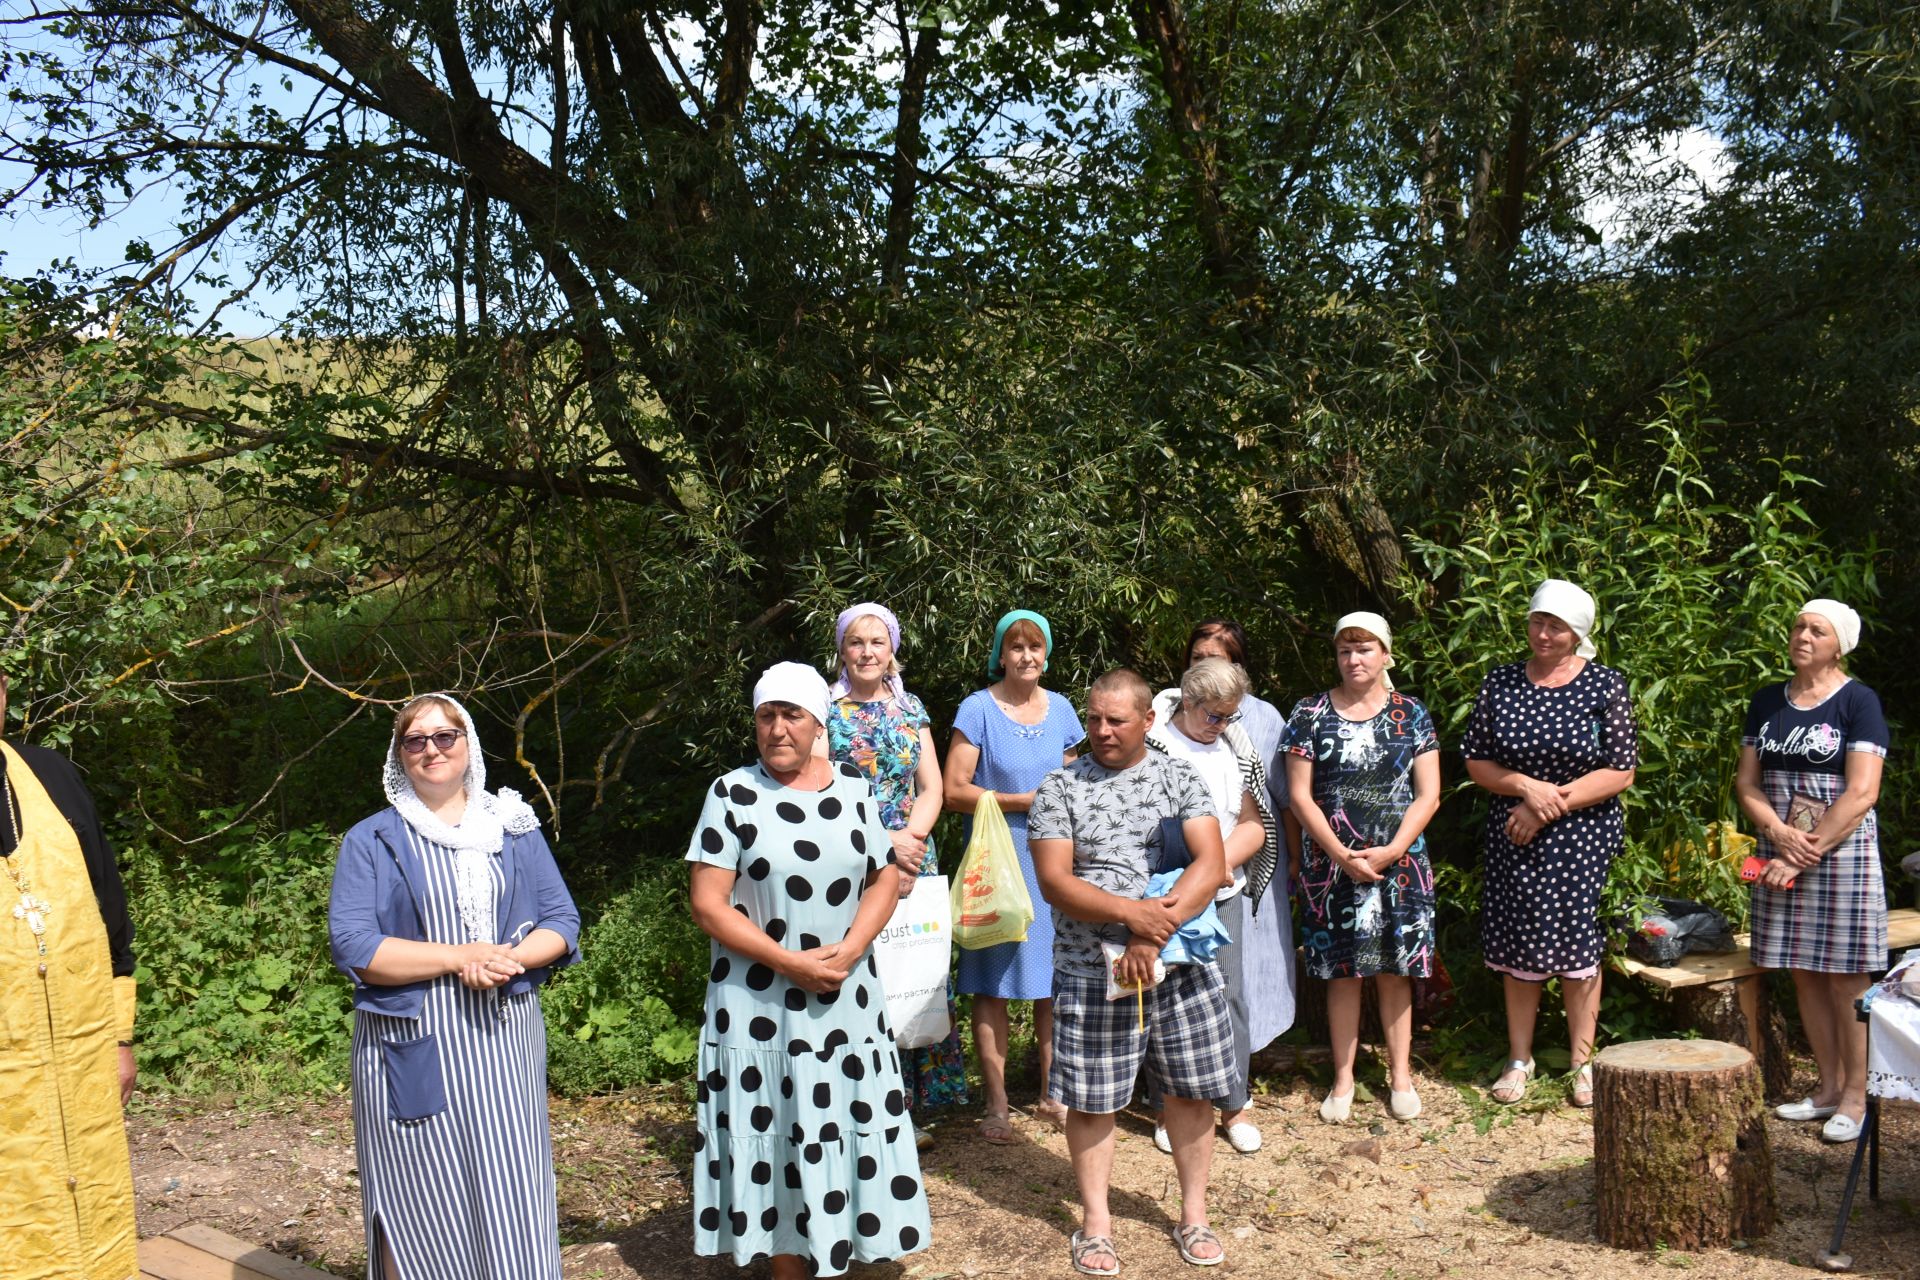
point(1810, 762)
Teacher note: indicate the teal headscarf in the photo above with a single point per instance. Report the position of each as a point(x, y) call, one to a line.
point(994, 668)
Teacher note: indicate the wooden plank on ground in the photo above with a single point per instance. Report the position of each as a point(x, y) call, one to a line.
point(201, 1252)
point(261, 1262)
point(171, 1260)
point(1903, 931)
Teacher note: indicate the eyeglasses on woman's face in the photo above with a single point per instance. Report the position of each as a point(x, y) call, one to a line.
point(442, 739)
point(1231, 717)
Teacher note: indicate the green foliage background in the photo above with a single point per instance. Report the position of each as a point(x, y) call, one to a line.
point(602, 377)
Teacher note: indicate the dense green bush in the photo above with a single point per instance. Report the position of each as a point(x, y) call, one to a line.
point(626, 1013)
point(236, 986)
point(1694, 596)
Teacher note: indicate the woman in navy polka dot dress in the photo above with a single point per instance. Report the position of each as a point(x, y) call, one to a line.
point(1553, 739)
point(805, 1152)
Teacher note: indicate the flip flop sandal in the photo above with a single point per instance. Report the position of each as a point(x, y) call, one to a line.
point(1084, 1244)
point(996, 1129)
point(1188, 1236)
point(1052, 1111)
point(1507, 1095)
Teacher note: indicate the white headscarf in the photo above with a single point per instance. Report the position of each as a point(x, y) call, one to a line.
point(1571, 605)
point(482, 830)
point(793, 682)
point(1375, 625)
point(1846, 622)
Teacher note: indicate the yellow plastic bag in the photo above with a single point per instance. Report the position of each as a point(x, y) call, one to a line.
point(990, 900)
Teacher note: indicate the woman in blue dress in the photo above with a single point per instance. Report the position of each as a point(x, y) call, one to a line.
point(804, 1153)
point(1006, 738)
point(447, 912)
point(1809, 776)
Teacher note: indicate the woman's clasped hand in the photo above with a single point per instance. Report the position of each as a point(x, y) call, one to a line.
point(486, 965)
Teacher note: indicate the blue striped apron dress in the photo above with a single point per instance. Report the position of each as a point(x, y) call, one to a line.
point(450, 1121)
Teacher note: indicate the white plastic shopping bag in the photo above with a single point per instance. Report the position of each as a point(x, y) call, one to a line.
point(913, 956)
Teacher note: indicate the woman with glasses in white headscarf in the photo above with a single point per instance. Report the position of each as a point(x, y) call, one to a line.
point(1809, 776)
point(1553, 738)
point(447, 912)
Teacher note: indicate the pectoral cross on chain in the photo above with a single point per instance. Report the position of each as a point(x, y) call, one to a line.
point(34, 911)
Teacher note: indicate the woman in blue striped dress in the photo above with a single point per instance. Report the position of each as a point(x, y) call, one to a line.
point(447, 912)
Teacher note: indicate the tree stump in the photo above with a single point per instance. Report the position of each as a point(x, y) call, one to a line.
point(1742, 1011)
point(1680, 1154)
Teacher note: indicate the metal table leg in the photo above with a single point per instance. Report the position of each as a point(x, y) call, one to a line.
point(1867, 1144)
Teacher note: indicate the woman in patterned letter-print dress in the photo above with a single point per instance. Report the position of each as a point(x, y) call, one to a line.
point(1810, 763)
point(1553, 738)
point(804, 1153)
point(447, 912)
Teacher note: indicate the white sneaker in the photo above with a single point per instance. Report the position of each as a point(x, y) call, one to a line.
point(1403, 1105)
point(1803, 1110)
point(1243, 1137)
point(1335, 1108)
point(1161, 1140)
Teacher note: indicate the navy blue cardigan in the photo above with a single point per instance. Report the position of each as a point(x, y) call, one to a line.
point(376, 896)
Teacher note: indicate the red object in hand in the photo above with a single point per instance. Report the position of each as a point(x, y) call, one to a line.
point(1753, 868)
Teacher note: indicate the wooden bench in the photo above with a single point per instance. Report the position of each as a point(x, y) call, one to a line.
point(1722, 996)
point(201, 1252)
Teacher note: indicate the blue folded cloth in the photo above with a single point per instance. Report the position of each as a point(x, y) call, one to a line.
point(1195, 941)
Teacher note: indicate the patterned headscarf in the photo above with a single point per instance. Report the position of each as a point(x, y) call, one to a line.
point(843, 682)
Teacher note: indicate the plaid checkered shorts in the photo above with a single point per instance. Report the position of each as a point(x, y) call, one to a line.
point(1098, 1045)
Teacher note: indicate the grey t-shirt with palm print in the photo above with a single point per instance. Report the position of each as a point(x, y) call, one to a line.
point(1113, 818)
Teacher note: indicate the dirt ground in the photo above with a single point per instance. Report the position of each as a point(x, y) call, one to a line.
point(1372, 1198)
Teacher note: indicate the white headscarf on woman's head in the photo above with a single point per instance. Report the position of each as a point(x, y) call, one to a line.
point(1571, 605)
point(482, 831)
point(1376, 626)
point(1846, 622)
point(793, 682)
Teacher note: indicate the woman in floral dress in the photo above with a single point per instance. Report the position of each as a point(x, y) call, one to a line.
point(874, 724)
point(1363, 767)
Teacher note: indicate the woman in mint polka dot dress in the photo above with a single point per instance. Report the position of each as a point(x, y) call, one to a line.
point(805, 1152)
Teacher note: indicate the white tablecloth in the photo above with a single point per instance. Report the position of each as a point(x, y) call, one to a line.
point(1893, 1033)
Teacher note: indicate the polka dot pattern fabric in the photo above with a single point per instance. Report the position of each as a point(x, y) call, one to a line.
point(1540, 904)
point(804, 1144)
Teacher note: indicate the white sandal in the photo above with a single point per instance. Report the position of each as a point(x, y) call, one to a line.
point(1507, 1095)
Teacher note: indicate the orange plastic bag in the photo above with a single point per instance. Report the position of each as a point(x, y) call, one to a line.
point(990, 900)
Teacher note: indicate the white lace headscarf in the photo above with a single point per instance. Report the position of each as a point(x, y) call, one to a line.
point(481, 832)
